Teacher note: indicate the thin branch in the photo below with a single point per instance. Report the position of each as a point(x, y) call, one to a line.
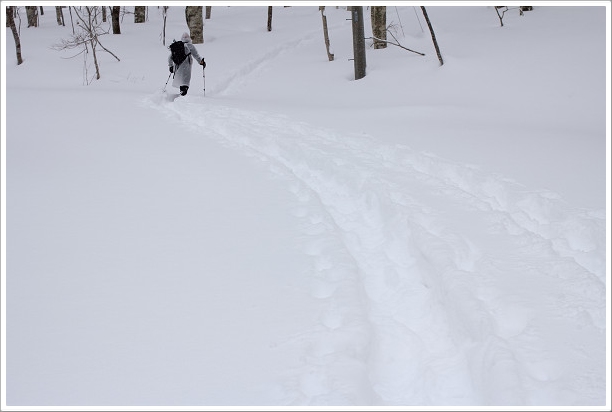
point(74, 42)
point(72, 57)
point(106, 50)
point(501, 16)
point(395, 44)
point(391, 33)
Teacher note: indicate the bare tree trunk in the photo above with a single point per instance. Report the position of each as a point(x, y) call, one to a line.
point(95, 59)
point(379, 26)
point(59, 14)
point(42, 11)
point(139, 14)
point(195, 23)
point(104, 14)
point(359, 54)
point(165, 16)
point(32, 14)
point(10, 20)
point(71, 21)
point(433, 36)
point(208, 11)
point(501, 16)
point(330, 55)
point(90, 25)
point(115, 12)
point(269, 18)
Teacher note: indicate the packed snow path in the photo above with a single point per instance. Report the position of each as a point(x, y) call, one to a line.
point(432, 273)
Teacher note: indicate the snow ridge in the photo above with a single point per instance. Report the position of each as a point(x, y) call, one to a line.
point(412, 295)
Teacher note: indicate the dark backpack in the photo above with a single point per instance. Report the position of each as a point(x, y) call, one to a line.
point(177, 50)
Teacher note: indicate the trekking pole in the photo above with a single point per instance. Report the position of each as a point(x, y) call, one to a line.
point(167, 82)
point(204, 79)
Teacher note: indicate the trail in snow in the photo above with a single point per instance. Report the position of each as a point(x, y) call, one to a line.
point(247, 71)
point(432, 272)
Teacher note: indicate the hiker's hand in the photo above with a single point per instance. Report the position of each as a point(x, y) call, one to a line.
point(203, 63)
point(171, 69)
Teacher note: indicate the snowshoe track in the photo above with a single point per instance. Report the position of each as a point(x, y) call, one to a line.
point(410, 290)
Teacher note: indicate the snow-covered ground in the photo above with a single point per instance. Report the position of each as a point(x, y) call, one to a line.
point(426, 236)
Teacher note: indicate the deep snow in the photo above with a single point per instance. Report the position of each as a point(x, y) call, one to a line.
point(425, 236)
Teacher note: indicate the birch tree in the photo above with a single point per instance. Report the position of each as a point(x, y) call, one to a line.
point(330, 55)
point(379, 26)
point(140, 14)
point(59, 15)
point(32, 15)
point(193, 15)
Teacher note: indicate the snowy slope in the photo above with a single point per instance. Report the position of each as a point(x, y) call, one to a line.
point(426, 236)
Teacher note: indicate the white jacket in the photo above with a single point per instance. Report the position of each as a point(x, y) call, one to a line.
point(182, 72)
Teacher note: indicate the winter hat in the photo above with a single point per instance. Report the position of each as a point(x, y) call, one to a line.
point(186, 38)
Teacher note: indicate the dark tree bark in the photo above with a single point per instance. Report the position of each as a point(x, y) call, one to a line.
point(501, 16)
point(359, 54)
point(433, 36)
point(269, 18)
point(140, 14)
point(115, 13)
point(208, 11)
point(10, 20)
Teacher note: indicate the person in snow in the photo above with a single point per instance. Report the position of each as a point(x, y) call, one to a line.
point(182, 72)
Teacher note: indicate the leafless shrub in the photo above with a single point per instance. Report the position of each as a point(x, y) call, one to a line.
point(86, 38)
